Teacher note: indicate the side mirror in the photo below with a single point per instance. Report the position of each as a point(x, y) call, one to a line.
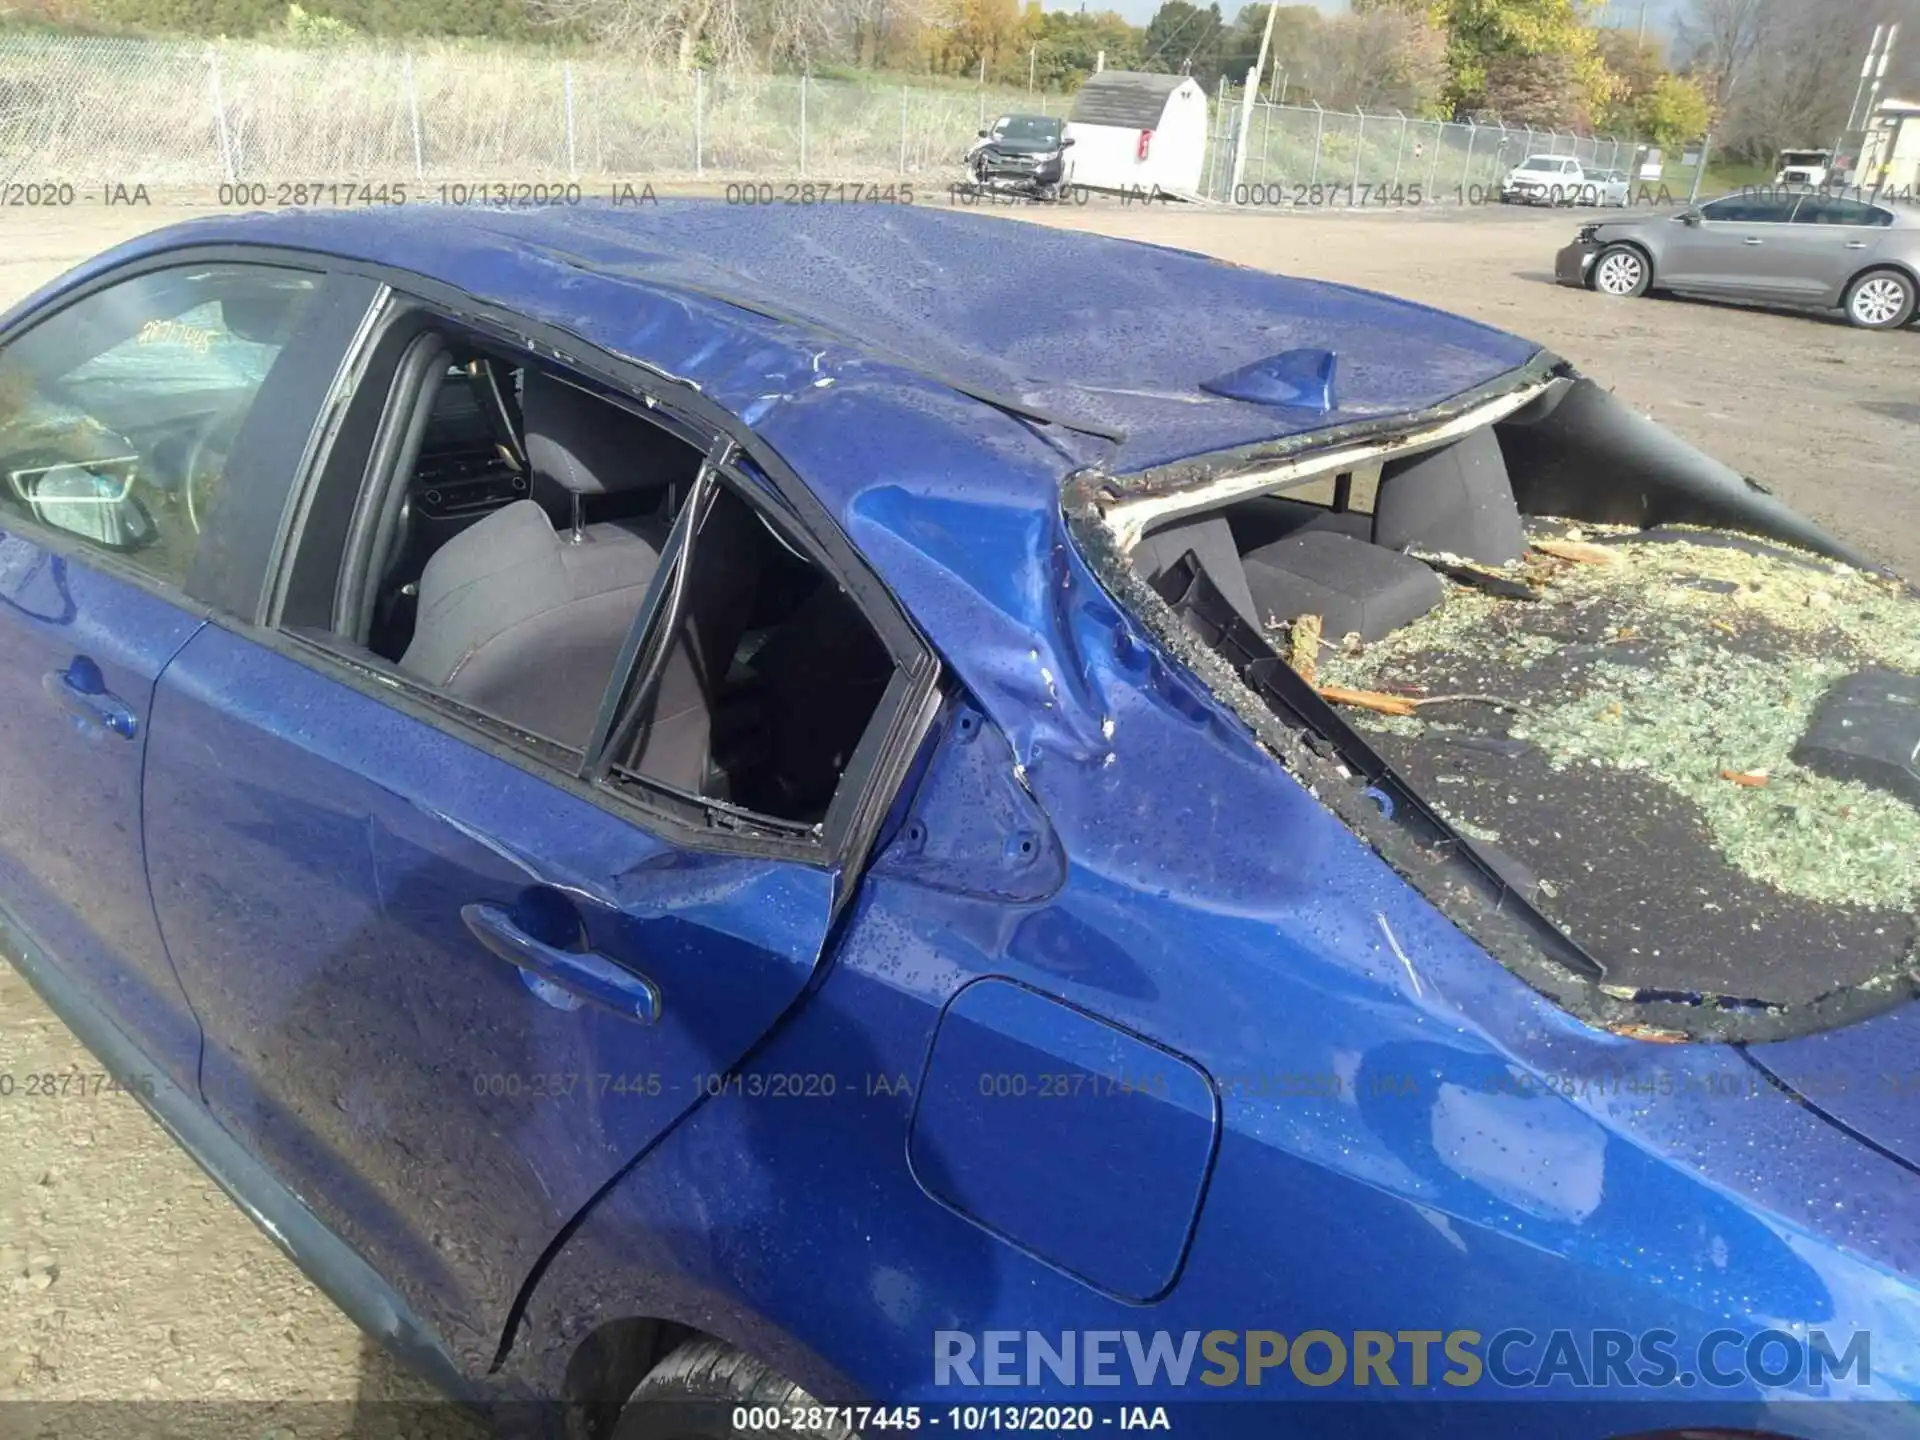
point(981, 133)
point(1066, 142)
point(93, 500)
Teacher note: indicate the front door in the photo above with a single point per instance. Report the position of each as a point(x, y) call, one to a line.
point(122, 426)
point(79, 654)
point(1728, 252)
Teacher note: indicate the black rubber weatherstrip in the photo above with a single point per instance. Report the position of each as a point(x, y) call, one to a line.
point(1200, 604)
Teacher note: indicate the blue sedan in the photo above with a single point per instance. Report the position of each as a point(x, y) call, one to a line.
point(733, 821)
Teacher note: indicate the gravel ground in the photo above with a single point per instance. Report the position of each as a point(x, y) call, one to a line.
point(126, 1276)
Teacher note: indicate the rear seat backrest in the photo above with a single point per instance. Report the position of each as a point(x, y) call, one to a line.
point(1212, 541)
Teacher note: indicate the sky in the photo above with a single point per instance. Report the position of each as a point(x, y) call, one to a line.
point(1660, 13)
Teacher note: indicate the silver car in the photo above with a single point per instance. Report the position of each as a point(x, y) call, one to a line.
point(1788, 247)
point(1606, 188)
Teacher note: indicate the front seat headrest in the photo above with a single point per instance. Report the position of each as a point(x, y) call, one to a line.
point(590, 446)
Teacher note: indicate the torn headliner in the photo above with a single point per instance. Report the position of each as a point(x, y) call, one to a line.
point(1109, 336)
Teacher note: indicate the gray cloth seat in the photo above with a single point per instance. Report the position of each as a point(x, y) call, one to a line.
point(1351, 585)
point(1212, 543)
point(676, 746)
point(526, 622)
point(1453, 501)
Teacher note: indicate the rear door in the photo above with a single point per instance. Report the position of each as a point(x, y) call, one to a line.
point(142, 421)
point(1830, 240)
point(455, 978)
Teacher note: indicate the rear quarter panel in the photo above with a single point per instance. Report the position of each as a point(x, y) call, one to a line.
point(1402, 1142)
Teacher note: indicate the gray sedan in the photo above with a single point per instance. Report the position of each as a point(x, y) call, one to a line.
point(1794, 248)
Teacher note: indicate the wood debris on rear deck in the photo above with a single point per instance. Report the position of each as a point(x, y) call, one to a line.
point(1647, 780)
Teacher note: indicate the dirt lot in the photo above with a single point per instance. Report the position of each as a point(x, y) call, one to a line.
point(124, 1275)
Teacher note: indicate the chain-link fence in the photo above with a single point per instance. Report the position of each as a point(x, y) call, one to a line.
point(1313, 156)
point(92, 111)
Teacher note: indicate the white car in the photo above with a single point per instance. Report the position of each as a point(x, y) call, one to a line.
point(1548, 179)
point(1610, 188)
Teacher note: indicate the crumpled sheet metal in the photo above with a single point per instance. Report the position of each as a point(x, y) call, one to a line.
point(1100, 332)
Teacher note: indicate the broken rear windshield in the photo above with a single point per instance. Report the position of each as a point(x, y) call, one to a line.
point(1674, 723)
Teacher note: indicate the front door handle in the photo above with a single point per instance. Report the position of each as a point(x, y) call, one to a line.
point(1856, 244)
point(1752, 240)
point(585, 973)
point(81, 691)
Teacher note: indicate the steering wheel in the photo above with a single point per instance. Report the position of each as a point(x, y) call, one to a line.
point(206, 462)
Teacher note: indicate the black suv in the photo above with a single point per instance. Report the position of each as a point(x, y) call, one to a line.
point(1028, 151)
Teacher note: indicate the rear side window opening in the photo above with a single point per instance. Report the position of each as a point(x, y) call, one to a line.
point(1551, 658)
point(491, 528)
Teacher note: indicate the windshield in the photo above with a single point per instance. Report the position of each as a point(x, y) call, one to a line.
point(1803, 157)
point(1543, 162)
point(1029, 129)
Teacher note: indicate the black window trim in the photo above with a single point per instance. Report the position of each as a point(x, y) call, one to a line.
point(333, 414)
point(1872, 216)
point(181, 593)
point(644, 651)
point(380, 489)
point(1706, 212)
point(871, 781)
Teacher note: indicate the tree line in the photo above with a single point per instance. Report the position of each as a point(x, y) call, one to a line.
point(1783, 74)
point(1765, 74)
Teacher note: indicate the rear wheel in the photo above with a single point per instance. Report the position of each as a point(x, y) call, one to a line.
point(704, 1386)
point(1621, 270)
point(1880, 300)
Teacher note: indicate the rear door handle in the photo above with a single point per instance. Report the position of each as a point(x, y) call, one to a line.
point(587, 974)
point(1856, 244)
point(1752, 240)
point(81, 691)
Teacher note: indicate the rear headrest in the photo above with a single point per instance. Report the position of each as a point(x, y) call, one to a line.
point(591, 447)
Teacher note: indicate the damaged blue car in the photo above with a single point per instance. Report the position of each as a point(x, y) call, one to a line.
point(722, 831)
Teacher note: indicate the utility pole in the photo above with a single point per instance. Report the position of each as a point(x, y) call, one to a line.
point(1879, 74)
point(1866, 73)
point(1033, 53)
point(1642, 36)
point(1868, 89)
point(1246, 104)
point(1886, 55)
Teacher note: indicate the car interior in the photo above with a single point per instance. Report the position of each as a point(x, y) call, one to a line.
point(1343, 555)
point(515, 522)
point(1573, 593)
point(117, 417)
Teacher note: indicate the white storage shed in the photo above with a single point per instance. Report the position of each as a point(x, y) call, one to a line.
point(1133, 130)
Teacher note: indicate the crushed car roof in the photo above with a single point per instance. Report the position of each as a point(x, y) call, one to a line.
point(1110, 338)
